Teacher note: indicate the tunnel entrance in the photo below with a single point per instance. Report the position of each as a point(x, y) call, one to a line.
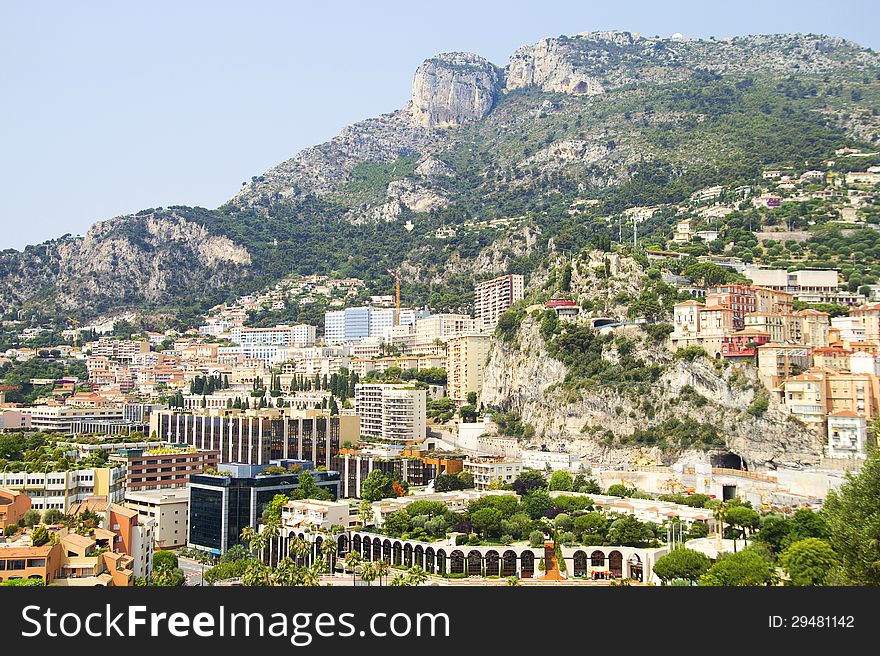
point(729, 460)
point(728, 492)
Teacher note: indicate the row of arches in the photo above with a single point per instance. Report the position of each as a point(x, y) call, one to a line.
point(484, 562)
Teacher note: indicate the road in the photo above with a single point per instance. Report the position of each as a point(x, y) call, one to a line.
point(192, 570)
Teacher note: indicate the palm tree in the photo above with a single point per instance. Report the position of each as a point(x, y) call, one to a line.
point(368, 573)
point(271, 530)
point(365, 512)
point(351, 561)
point(719, 513)
point(286, 573)
point(416, 575)
point(299, 549)
point(399, 580)
point(328, 550)
point(382, 569)
point(311, 576)
point(256, 574)
point(512, 581)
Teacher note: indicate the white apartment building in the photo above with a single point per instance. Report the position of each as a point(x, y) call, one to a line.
point(394, 412)
point(807, 285)
point(268, 354)
point(466, 356)
point(487, 471)
point(492, 298)
point(297, 335)
point(686, 319)
point(62, 489)
point(347, 326)
point(441, 326)
point(381, 321)
point(168, 509)
point(555, 460)
point(118, 349)
point(852, 329)
point(847, 435)
point(64, 418)
point(315, 514)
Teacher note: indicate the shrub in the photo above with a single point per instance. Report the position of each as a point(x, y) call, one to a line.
point(536, 539)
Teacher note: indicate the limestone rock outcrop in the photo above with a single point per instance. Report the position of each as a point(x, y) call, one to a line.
point(454, 88)
point(548, 66)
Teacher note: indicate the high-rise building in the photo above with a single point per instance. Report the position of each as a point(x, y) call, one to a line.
point(163, 467)
point(168, 509)
point(392, 412)
point(347, 326)
point(466, 355)
point(494, 297)
point(220, 506)
point(441, 326)
point(256, 437)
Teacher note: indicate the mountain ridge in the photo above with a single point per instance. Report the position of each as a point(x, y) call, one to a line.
point(566, 116)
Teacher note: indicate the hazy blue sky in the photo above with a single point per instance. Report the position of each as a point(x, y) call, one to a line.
point(111, 107)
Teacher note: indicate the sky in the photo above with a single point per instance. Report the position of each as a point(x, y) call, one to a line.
point(112, 107)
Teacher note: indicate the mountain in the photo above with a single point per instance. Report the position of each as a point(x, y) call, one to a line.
point(610, 116)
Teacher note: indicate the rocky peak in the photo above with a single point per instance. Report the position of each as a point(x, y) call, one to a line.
point(547, 65)
point(453, 88)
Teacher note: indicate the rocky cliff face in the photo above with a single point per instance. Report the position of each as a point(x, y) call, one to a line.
point(547, 65)
point(454, 88)
point(447, 91)
point(151, 258)
point(522, 377)
point(594, 62)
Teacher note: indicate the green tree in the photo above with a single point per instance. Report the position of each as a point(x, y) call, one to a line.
point(376, 486)
point(685, 564)
point(365, 512)
point(744, 519)
point(628, 531)
point(256, 574)
point(40, 536)
point(415, 575)
point(486, 521)
point(167, 577)
point(536, 539)
point(30, 518)
point(164, 559)
point(52, 516)
point(561, 480)
point(745, 568)
point(536, 503)
point(810, 561)
point(397, 523)
point(806, 523)
point(351, 562)
point(618, 490)
point(774, 532)
point(592, 527)
point(528, 480)
point(853, 517)
point(309, 488)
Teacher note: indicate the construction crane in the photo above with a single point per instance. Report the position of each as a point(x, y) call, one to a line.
point(396, 276)
point(75, 333)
